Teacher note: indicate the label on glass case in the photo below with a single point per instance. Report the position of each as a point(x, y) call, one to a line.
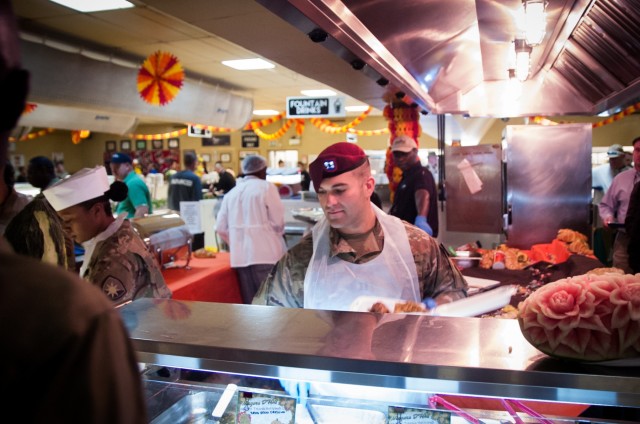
point(400, 415)
point(258, 408)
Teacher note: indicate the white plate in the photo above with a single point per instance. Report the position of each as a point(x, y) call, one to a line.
point(478, 304)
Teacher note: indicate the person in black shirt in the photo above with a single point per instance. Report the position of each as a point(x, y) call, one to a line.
point(226, 181)
point(632, 227)
point(305, 181)
point(185, 186)
point(415, 199)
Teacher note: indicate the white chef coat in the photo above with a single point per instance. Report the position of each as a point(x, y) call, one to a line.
point(251, 222)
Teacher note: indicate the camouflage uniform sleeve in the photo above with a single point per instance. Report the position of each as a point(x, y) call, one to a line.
point(115, 273)
point(284, 286)
point(439, 278)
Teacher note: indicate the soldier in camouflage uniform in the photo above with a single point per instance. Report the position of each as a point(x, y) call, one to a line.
point(116, 259)
point(356, 249)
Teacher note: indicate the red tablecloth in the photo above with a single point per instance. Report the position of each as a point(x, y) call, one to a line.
point(208, 280)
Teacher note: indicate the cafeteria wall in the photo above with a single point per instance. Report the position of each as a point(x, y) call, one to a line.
point(89, 152)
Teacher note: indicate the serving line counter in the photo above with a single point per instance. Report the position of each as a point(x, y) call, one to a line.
point(397, 352)
point(206, 280)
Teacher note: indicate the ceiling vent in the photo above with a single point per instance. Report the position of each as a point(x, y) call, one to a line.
point(72, 80)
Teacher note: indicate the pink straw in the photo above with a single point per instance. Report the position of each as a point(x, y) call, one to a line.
point(433, 400)
point(531, 412)
point(511, 411)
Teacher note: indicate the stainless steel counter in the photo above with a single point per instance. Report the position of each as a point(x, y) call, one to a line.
point(470, 356)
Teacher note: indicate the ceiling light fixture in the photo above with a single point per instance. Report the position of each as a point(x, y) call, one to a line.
point(95, 5)
point(535, 21)
point(248, 64)
point(523, 56)
point(265, 112)
point(318, 93)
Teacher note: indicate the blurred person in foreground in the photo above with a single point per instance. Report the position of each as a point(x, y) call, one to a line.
point(37, 230)
point(115, 259)
point(251, 222)
point(41, 172)
point(11, 202)
point(632, 227)
point(138, 201)
point(63, 334)
point(185, 185)
point(614, 205)
point(415, 199)
point(356, 249)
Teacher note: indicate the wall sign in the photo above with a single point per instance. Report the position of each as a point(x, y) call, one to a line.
point(316, 107)
point(194, 131)
point(250, 140)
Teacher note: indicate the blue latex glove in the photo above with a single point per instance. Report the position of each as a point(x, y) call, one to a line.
point(421, 222)
point(299, 390)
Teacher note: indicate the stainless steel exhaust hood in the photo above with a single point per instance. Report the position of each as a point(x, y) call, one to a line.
point(452, 56)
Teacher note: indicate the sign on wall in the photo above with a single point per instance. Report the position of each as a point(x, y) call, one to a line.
point(316, 107)
point(193, 131)
point(250, 140)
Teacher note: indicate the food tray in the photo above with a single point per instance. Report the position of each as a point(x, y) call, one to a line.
point(193, 408)
point(325, 414)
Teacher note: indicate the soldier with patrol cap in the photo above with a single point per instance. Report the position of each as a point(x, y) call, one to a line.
point(356, 249)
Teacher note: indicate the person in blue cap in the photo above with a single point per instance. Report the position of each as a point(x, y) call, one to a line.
point(138, 201)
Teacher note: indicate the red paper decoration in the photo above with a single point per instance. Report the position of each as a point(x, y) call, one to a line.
point(160, 78)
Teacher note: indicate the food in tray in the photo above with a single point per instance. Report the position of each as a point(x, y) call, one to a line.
point(576, 242)
point(204, 253)
point(602, 271)
point(569, 236)
point(515, 259)
point(401, 307)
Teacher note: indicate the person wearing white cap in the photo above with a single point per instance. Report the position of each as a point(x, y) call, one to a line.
point(614, 205)
point(58, 330)
point(116, 259)
point(251, 222)
point(602, 175)
point(415, 199)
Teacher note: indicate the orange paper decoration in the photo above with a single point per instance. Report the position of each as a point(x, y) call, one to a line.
point(160, 78)
point(29, 107)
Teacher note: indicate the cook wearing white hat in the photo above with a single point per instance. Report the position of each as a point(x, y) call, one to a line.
point(251, 222)
point(85, 184)
point(115, 259)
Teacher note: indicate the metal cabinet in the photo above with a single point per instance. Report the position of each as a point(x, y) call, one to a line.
point(399, 353)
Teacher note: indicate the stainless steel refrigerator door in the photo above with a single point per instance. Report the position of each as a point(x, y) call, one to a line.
point(474, 188)
point(548, 182)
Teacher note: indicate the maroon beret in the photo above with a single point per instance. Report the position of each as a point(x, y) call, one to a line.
point(335, 160)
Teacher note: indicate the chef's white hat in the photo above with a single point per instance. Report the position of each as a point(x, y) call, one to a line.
point(86, 184)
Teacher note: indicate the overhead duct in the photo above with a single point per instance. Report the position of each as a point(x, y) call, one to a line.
point(70, 118)
point(73, 80)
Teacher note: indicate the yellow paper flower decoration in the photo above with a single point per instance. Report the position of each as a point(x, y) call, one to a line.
point(160, 78)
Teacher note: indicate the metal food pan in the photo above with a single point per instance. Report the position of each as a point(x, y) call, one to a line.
point(194, 408)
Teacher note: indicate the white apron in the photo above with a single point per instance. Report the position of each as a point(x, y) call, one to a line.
point(333, 284)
